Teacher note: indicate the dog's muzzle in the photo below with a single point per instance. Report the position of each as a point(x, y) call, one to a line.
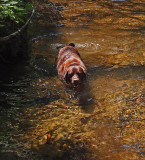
point(75, 80)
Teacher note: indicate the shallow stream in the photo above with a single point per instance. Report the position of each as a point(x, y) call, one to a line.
point(41, 119)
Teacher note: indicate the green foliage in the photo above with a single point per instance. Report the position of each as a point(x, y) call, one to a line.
point(14, 10)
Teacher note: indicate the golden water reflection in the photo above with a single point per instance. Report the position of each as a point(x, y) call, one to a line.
point(105, 121)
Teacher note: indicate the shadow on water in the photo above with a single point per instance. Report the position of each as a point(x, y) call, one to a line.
point(16, 80)
point(83, 96)
point(86, 99)
point(18, 93)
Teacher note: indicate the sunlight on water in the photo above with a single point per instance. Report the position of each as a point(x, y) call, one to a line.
point(105, 120)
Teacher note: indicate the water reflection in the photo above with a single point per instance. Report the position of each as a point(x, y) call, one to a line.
point(104, 120)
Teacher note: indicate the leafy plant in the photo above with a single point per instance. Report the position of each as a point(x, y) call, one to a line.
point(14, 10)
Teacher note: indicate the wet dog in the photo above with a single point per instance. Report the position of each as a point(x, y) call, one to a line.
point(70, 67)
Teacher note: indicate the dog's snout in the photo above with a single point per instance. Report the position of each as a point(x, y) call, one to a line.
point(76, 82)
point(75, 79)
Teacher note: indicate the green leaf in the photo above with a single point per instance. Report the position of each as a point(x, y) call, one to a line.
point(13, 2)
point(14, 9)
point(20, 9)
point(5, 0)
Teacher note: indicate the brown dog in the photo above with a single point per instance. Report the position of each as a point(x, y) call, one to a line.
point(70, 67)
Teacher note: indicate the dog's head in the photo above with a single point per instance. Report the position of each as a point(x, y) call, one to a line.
point(75, 75)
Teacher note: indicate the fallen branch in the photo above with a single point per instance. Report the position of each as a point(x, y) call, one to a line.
point(2, 39)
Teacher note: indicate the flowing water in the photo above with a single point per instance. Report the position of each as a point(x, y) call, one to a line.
point(41, 119)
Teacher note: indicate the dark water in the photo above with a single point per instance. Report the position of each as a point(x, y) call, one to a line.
point(41, 119)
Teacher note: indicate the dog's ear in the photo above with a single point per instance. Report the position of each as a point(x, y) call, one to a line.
point(72, 44)
point(84, 69)
point(84, 73)
point(66, 78)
